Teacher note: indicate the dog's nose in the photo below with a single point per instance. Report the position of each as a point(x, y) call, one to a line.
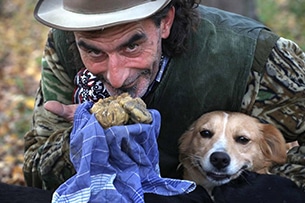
point(220, 160)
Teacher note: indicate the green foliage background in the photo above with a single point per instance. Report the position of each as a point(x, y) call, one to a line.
point(285, 17)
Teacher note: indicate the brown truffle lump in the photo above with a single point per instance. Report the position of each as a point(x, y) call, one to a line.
point(121, 110)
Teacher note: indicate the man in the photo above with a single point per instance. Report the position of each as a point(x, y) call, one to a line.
point(180, 58)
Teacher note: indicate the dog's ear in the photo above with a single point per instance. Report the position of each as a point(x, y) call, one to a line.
point(273, 145)
point(184, 142)
point(185, 145)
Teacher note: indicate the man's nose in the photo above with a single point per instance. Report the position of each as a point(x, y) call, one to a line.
point(117, 72)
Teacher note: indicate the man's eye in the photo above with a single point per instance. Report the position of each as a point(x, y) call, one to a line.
point(132, 47)
point(94, 53)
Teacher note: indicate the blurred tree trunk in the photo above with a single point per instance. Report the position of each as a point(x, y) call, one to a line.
point(243, 7)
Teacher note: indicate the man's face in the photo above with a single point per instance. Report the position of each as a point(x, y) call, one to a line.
point(125, 57)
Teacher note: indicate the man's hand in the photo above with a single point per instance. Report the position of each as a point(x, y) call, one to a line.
point(63, 110)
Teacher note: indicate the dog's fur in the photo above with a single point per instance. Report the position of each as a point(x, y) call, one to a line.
point(220, 145)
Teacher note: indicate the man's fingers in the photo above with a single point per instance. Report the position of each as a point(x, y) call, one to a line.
point(65, 111)
point(55, 107)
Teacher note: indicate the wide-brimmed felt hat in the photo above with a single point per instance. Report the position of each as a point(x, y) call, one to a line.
point(83, 15)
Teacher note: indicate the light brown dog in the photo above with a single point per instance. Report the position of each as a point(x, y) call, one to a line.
point(220, 145)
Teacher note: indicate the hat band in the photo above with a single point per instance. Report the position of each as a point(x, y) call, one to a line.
point(100, 6)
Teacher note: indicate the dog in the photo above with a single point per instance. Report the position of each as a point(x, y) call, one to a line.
point(220, 145)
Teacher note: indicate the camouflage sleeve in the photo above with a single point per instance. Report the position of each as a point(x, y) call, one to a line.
point(46, 157)
point(278, 96)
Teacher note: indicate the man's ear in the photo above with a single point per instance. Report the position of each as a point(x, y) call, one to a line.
point(167, 22)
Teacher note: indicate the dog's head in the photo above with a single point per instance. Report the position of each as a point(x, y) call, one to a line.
point(220, 145)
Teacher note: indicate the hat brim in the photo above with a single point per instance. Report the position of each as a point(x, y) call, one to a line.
point(51, 13)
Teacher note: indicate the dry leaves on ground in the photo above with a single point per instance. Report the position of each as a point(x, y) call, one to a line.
point(21, 46)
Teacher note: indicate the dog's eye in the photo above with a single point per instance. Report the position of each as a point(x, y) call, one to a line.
point(206, 134)
point(242, 140)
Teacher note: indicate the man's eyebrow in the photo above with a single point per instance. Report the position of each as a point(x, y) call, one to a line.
point(87, 46)
point(134, 38)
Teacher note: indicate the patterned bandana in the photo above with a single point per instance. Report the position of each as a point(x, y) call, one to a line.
point(90, 88)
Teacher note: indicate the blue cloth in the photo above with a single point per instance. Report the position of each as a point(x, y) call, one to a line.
point(118, 164)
